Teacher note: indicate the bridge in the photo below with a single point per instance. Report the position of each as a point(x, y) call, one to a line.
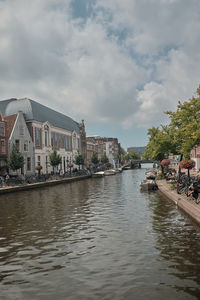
point(145, 161)
point(135, 164)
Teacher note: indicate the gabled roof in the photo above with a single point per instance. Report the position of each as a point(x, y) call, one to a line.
point(11, 122)
point(35, 111)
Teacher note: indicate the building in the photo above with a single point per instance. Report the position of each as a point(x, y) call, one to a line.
point(139, 150)
point(48, 129)
point(19, 135)
point(3, 145)
point(102, 145)
point(195, 155)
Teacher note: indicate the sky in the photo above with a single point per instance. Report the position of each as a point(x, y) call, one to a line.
point(116, 64)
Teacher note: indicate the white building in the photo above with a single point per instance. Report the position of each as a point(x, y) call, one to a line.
point(48, 129)
point(20, 136)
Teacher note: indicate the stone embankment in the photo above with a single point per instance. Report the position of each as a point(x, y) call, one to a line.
point(188, 206)
point(24, 187)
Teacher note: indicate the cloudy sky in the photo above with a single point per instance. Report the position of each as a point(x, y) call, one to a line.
point(116, 64)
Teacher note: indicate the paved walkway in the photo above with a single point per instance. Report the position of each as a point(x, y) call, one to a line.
point(189, 206)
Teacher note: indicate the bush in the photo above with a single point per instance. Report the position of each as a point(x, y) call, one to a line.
point(172, 186)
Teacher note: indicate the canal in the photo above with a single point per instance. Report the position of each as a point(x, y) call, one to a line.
point(100, 238)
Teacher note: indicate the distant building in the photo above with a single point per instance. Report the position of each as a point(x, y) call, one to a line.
point(139, 150)
point(102, 145)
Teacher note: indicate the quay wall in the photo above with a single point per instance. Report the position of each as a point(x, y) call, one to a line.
point(18, 188)
point(188, 206)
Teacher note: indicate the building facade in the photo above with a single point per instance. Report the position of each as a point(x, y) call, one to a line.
point(3, 145)
point(19, 135)
point(102, 145)
point(195, 155)
point(49, 129)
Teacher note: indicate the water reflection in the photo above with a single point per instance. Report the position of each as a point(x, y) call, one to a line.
point(178, 242)
point(96, 239)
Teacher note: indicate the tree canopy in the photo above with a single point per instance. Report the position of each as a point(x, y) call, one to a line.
point(94, 158)
point(15, 158)
point(133, 155)
point(182, 133)
point(79, 160)
point(104, 159)
point(55, 159)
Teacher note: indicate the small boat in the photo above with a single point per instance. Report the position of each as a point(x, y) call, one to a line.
point(148, 185)
point(98, 174)
point(118, 170)
point(109, 172)
point(151, 174)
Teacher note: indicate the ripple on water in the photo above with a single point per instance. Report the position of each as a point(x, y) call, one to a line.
point(97, 239)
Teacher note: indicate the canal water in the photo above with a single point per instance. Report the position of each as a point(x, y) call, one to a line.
point(100, 238)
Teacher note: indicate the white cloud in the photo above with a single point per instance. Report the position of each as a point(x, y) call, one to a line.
point(126, 63)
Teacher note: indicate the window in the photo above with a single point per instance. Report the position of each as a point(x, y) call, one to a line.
point(26, 146)
point(28, 164)
point(37, 135)
point(52, 139)
point(17, 144)
point(63, 141)
point(70, 143)
point(67, 142)
point(60, 141)
point(21, 130)
point(2, 129)
point(38, 158)
point(78, 144)
point(56, 140)
point(46, 138)
point(3, 148)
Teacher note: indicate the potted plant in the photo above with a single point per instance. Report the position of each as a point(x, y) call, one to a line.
point(187, 164)
point(164, 164)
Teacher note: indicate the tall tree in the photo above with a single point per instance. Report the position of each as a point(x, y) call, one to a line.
point(104, 159)
point(55, 159)
point(185, 125)
point(161, 143)
point(15, 158)
point(133, 155)
point(94, 158)
point(79, 160)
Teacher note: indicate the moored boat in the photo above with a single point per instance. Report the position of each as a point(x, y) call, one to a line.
point(118, 170)
point(98, 174)
point(109, 172)
point(148, 185)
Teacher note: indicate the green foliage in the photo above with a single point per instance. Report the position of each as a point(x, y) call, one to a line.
point(79, 160)
point(182, 133)
point(55, 159)
point(172, 186)
point(161, 142)
point(122, 153)
point(133, 155)
point(15, 159)
point(94, 158)
point(104, 159)
point(185, 125)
